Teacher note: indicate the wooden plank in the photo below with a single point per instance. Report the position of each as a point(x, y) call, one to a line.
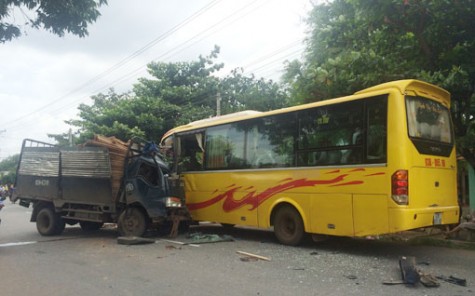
point(134, 240)
point(253, 255)
point(117, 153)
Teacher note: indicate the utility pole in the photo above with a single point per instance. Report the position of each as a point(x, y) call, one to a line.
point(1, 132)
point(70, 137)
point(218, 104)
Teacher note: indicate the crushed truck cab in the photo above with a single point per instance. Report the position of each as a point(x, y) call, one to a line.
point(103, 181)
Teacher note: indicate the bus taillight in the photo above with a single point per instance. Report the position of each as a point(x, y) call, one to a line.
point(400, 187)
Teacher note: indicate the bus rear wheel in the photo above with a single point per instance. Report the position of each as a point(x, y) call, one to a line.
point(288, 226)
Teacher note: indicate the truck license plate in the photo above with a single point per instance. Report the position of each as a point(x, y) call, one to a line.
point(437, 218)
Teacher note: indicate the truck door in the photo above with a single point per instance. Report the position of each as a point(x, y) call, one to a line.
point(150, 181)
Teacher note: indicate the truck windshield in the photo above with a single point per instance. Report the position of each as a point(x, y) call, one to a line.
point(428, 120)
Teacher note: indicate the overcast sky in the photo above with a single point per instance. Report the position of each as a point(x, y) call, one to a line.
point(43, 78)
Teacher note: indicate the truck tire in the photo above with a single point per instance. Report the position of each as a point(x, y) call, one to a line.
point(48, 222)
point(132, 222)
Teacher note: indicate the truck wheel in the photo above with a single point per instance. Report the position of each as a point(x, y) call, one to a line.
point(48, 222)
point(132, 222)
point(288, 226)
point(90, 226)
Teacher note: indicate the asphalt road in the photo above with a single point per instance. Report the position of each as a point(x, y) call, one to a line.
point(79, 263)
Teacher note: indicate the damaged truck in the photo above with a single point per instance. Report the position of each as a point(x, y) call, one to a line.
point(103, 181)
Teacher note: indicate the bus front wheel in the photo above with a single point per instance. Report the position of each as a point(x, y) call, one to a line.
point(288, 226)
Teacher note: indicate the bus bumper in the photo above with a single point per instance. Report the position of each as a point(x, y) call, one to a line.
point(406, 219)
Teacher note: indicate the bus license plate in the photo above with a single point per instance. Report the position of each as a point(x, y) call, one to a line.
point(437, 218)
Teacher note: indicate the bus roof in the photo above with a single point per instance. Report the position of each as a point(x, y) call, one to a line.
point(226, 117)
point(417, 86)
point(402, 86)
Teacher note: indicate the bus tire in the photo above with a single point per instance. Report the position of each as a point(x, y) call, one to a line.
point(132, 222)
point(48, 222)
point(288, 226)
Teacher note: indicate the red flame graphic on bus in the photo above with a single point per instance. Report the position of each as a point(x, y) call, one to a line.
point(254, 200)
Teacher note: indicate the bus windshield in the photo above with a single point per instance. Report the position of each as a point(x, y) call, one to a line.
point(428, 120)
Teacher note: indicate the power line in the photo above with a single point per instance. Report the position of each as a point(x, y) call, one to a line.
point(219, 25)
point(273, 62)
point(272, 59)
point(167, 55)
point(120, 63)
point(263, 63)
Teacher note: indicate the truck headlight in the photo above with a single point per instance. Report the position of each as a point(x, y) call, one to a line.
point(173, 202)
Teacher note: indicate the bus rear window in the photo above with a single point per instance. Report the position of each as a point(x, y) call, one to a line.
point(428, 120)
point(429, 126)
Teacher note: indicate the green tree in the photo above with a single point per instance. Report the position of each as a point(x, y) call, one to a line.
point(239, 92)
point(186, 90)
point(354, 44)
point(177, 93)
point(58, 17)
point(8, 168)
point(112, 114)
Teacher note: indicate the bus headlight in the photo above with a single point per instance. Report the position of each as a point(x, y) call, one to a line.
point(173, 202)
point(400, 187)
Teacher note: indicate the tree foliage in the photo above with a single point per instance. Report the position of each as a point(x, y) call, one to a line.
point(111, 114)
point(177, 93)
point(354, 44)
point(57, 17)
point(239, 92)
point(8, 168)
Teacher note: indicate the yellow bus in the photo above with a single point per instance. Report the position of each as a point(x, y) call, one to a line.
point(379, 161)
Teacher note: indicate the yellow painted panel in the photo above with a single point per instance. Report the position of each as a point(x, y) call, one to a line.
point(332, 214)
point(371, 214)
point(430, 186)
point(217, 207)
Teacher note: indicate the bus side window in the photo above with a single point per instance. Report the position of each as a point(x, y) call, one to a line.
point(270, 142)
point(331, 135)
point(191, 156)
point(225, 146)
point(193, 160)
point(353, 155)
point(376, 132)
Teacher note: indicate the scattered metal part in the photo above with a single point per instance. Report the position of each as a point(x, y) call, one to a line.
point(453, 280)
point(408, 270)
